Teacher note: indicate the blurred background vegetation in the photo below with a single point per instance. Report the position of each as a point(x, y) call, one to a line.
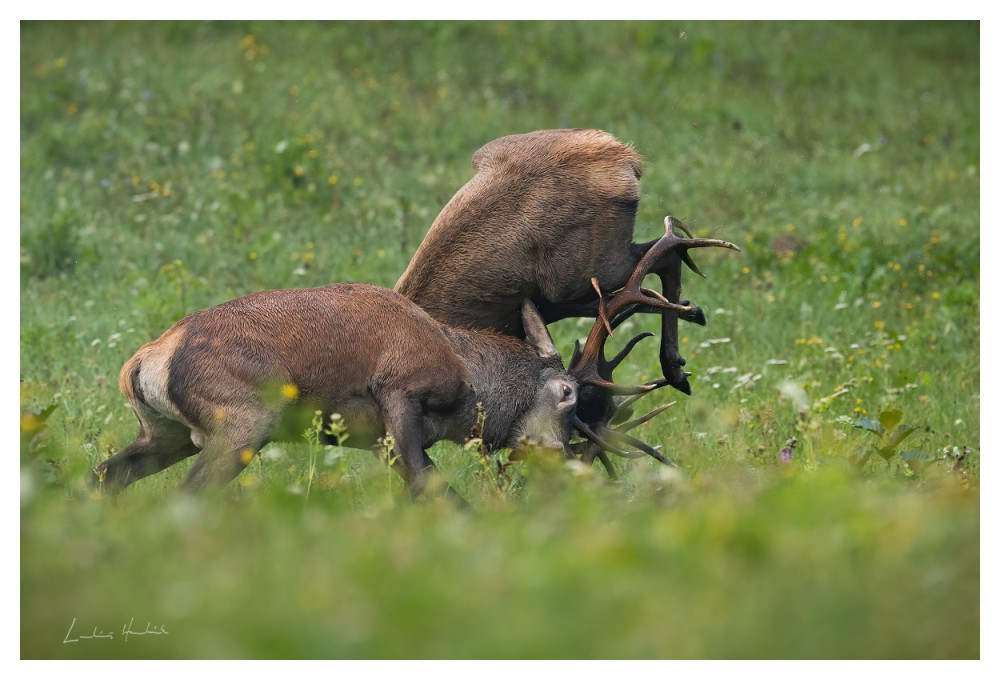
point(167, 167)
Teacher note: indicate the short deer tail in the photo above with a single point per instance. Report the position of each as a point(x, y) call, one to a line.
point(128, 380)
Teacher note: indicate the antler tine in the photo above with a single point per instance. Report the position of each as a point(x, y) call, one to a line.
point(606, 462)
point(598, 439)
point(608, 440)
point(613, 363)
point(625, 427)
point(589, 451)
point(686, 259)
point(671, 241)
point(628, 401)
point(589, 364)
point(674, 222)
point(602, 316)
point(644, 447)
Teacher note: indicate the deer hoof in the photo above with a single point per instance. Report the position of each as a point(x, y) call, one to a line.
point(694, 316)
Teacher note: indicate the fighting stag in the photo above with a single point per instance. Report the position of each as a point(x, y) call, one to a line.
point(544, 214)
point(221, 382)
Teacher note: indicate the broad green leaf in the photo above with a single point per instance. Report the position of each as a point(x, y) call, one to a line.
point(868, 424)
point(901, 433)
point(890, 419)
point(913, 454)
point(887, 452)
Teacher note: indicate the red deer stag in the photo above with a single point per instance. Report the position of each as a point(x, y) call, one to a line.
point(544, 214)
point(365, 352)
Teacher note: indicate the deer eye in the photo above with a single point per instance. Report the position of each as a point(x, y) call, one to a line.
point(568, 392)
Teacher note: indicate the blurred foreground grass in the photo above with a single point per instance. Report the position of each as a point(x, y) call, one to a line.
point(166, 167)
point(805, 566)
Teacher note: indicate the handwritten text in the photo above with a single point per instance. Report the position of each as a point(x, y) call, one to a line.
point(127, 631)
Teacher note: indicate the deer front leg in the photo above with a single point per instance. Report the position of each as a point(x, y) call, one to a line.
point(407, 455)
point(229, 449)
point(218, 464)
point(671, 361)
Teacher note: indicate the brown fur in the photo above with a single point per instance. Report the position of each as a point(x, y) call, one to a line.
point(544, 212)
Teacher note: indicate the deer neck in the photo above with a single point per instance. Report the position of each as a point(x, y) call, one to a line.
point(505, 373)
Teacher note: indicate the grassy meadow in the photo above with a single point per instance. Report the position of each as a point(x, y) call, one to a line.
point(826, 503)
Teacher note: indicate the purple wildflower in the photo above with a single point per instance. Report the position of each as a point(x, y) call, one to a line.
point(786, 453)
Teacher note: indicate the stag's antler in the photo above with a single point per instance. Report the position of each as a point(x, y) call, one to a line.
point(593, 370)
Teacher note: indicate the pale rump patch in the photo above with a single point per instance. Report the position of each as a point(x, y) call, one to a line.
point(154, 375)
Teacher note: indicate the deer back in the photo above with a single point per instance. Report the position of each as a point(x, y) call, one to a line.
point(343, 347)
point(544, 212)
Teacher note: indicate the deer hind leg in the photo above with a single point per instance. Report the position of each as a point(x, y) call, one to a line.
point(160, 444)
point(228, 450)
point(219, 463)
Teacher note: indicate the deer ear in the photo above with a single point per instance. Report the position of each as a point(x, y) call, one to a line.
point(536, 333)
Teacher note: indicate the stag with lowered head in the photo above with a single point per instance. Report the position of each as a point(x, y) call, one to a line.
point(219, 382)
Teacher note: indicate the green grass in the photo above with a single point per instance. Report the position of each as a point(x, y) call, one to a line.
point(169, 167)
